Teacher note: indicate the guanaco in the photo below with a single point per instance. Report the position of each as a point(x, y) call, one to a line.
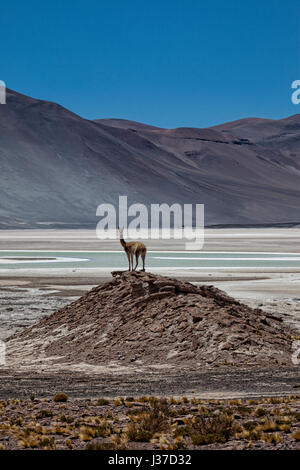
point(133, 248)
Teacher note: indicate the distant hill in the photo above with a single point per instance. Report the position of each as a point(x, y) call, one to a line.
point(56, 167)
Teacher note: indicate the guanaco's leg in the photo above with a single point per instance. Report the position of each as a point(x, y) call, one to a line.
point(143, 258)
point(131, 259)
point(128, 256)
point(137, 260)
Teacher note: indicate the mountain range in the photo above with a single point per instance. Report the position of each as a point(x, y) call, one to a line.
point(57, 167)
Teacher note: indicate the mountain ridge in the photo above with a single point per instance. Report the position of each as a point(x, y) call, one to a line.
point(57, 167)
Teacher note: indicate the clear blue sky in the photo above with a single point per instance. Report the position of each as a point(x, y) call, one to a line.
point(164, 62)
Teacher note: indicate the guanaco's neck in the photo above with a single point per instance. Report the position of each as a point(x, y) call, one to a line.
point(123, 243)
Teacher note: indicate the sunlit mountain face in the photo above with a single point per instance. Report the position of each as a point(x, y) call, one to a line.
point(56, 167)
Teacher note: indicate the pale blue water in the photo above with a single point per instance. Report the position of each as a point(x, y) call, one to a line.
point(85, 259)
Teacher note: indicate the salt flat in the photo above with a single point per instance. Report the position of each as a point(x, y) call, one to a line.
point(285, 240)
point(257, 283)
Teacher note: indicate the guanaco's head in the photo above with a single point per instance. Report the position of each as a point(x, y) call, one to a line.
point(121, 232)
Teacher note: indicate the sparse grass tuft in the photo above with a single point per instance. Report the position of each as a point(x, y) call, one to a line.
point(260, 412)
point(60, 397)
point(154, 423)
point(89, 432)
point(268, 426)
point(154, 419)
point(44, 414)
point(101, 402)
point(66, 419)
point(143, 399)
point(69, 444)
point(296, 435)
point(207, 430)
point(136, 434)
point(29, 439)
point(273, 438)
point(243, 410)
point(250, 425)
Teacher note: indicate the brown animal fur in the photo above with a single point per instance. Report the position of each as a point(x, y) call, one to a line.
point(131, 249)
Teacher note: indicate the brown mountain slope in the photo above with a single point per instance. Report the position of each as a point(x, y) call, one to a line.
point(57, 167)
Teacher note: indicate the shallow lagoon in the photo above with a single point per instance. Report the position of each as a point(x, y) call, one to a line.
point(15, 260)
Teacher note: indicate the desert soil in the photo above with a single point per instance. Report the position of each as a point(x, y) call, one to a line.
point(150, 423)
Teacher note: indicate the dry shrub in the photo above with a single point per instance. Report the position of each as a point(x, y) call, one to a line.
point(66, 419)
point(273, 438)
point(60, 397)
point(154, 419)
point(268, 426)
point(44, 414)
point(296, 435)
point(33, 440)
point(101, 402)
point(69, 444)
point(87, 433)
point(210, 429)
point(260, 412)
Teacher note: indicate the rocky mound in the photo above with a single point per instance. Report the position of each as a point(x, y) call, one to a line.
point(149, 320)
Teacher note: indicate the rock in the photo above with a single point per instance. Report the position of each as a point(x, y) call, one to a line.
point(162, 321)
